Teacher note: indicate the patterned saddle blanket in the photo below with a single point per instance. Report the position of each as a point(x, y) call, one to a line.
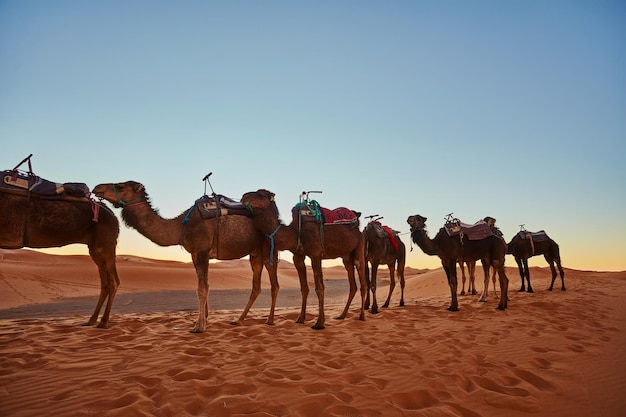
point(385, 231)
point(211, 207)
point(15, 181)
point(477, 231)
point(312, 211)
point(539, 236)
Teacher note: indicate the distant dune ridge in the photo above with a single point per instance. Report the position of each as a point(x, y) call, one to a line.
point(550, 353)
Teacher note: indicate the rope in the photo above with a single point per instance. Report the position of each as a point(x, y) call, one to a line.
point(271, 237)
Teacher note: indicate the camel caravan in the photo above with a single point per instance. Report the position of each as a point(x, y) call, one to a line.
point(38, 213)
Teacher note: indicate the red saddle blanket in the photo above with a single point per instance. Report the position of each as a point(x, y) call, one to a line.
point(340, 215)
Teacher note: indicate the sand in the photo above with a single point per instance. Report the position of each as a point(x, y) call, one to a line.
point(551, 353)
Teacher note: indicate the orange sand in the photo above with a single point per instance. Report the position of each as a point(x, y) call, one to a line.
point(550, 354)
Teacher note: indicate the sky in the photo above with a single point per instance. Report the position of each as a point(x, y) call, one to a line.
point(509, 109)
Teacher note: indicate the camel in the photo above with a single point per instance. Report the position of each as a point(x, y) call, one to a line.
point(225, 237)
point(524, 248)
point(471, 267)
point(30, 220)
point(306, 238)
point(379, 249)
point(490, 250)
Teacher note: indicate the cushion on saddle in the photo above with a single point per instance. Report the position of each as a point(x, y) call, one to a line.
point(313, 210)
point(211, 207)
point(15, 180)
point(477, 231)
point(539, 236)
point(340, 215)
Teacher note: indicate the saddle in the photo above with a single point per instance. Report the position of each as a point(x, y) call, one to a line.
point(539, 236)
point(312, 211)
point(477, 231)
point(385, 231)
point(219, 205)
point(16, 182)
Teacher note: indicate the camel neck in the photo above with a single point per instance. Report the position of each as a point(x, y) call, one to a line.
point(428, 246)
point(144, 219)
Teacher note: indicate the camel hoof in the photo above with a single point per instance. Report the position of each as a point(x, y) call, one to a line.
point(563, 289)
point(500, 308)
point(318, 327)
point(522, 289)
point(530, 290)
point(386, 305)
point(196, 330)
point(453, 308)
point(462, 292)
point(102, 325)
point(550, 289)
point(401, 303)
point(236, 323)
point(480, 300)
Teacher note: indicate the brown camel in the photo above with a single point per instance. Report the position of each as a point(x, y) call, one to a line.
point(224, 237)
point(379, 249)
point(525, 245)
point(490, 250)
point(305, 237)
point(471, 267)
point(28, 219)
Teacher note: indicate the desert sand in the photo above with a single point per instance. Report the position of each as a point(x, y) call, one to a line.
point(549, 354)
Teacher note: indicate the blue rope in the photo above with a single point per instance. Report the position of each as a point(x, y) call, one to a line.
point(271, 237)
point(186, 219)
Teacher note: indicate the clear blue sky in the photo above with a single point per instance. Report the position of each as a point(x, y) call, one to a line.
point(512, 109)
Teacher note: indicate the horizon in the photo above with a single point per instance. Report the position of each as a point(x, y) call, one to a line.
point(512, 110)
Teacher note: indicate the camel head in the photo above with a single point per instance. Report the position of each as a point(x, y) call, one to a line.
point(416, 222)
point(121, 194)
point(258, 200)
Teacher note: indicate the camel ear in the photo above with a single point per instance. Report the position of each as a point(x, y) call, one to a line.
point(272, 195)
point(138, 187)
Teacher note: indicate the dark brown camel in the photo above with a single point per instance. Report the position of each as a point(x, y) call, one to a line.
point(490, 250)
point(522, 249)
point(380, 250)
point(225, 237)
point(339, 241)
point(35, 222)
point(471, 268)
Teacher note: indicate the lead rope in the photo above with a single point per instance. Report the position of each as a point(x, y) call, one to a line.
point(271, 237)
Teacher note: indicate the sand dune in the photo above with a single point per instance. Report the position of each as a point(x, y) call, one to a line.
point(551, 353)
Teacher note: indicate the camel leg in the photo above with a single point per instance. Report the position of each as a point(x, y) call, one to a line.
point(372, 284)
point(274, 287)
point(298, 261)
point(522, 274)
point(462, 265)
point(349, 265)
point(402, 282)
point(558, 264)
point(256, 263)
point(319, 290)
point(201, 263)
point(450, 268)
point(485, 294)
point(472, 278)
point(493, 278)
point(369, 285)
point(504, 287)
point(529, 288)
point(392, 282)
point(359, 263)
point(109, 282)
